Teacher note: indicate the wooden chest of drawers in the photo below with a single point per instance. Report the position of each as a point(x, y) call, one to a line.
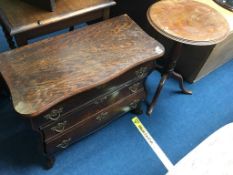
point(74, 84)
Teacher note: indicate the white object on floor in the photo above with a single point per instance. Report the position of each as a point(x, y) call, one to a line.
point(155, 147)
point(213, 156)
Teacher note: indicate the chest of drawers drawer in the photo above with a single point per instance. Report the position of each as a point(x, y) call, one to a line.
point(59, 111)
point(92, 107)
point(91, 123)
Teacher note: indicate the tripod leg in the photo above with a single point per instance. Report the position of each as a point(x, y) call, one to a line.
point(157, 93)
point(179, 78)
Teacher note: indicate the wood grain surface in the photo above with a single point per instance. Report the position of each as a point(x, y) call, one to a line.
point(224, 12)
point(43, 74)
point(189, 22)
point(20, 16)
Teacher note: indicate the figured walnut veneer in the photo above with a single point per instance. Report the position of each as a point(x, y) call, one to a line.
point(189, 22)
point(42, 74)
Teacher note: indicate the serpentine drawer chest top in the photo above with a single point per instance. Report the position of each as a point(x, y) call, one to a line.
point(73, 84)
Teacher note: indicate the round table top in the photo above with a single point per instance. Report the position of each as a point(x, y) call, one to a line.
point(188, 22)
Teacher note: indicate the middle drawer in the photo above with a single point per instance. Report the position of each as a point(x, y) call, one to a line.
point(89, 108)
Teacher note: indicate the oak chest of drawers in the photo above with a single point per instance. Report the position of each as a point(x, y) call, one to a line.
point(71, 85)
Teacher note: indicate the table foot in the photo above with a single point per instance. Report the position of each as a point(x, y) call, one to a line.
point(71, 28)
point(157, 93)
point(179, 78)
point(49, 162)
point(138, 110)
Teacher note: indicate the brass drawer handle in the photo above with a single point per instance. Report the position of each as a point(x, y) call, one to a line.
point(134, 88)
point(142, 72)
point(64, 144)
point(101, 100)
point(60, 127)
point(54, 115)
point(102, 116)
point(134, 104)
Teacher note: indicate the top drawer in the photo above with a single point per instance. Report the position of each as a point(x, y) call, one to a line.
point(65, 107)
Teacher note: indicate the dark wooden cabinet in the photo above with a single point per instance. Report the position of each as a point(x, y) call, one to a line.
point(71, 85)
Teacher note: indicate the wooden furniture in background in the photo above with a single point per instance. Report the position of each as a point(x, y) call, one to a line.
point(208, 59)
point(75, 83)
point(23, 21)
point(45, 4)
point(176, 20)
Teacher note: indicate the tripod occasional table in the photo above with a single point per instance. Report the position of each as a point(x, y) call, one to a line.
point(184, 22)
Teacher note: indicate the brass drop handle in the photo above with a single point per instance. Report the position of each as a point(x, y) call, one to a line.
point(100, 100)
point(60, 127)
point(134, 104)
point(134, 88)
point(142, 72)
point(102, 116)
point(54, 115)
point(64, 144)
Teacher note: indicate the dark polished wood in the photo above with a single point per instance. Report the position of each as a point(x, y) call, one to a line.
point(49, 162)
point(166, 73)
point(52, 129)
point(24, 21)
point(94, 122)
point(176, 20)
point(74, 84)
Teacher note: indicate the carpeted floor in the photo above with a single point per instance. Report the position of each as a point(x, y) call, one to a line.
point(178, 124)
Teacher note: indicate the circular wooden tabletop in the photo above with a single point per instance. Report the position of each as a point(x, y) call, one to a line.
point(188, 22)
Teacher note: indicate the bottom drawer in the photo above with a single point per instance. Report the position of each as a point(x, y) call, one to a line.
point(94, 122)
